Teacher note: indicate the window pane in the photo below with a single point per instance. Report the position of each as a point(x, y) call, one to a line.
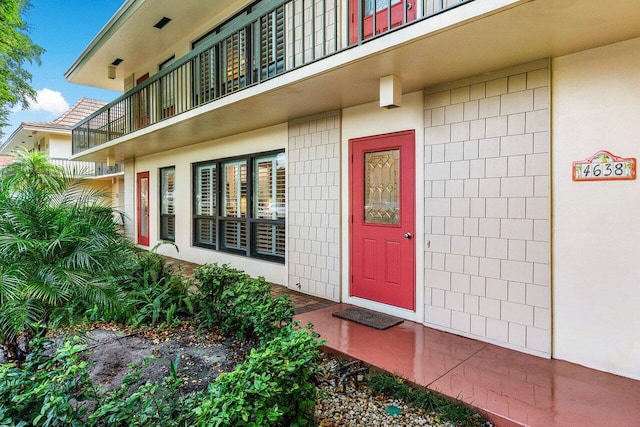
point(167, 86)
point(382, 187)
point(272, 43)
point(205, 188)
point(270, 185)
point(205, 231)
point(206, 77)
point(270, 239)
point(234, 52)
point(167, 205)
point(168, 227)
point(167, 183)
point(235, 189)
point(235, 235)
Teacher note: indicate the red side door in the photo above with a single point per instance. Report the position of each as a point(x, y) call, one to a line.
point(388, 14)
point(143, 208)
point(382, 249)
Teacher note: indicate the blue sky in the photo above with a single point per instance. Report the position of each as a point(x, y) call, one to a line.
point(63, 28)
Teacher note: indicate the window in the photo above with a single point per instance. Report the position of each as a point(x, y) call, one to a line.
point(205, 200)
point(167, 205)
point(234, 204)
point(269, 204)
point(238, 54)
point(251, 217)
point(167, 89)
point(270, 39)
point(234, 61)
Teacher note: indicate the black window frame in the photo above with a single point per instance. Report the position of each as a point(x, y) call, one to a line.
point(250, 219)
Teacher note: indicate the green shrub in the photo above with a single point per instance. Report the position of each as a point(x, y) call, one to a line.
point(273, 387)
point(153, 293)
point(239, 303)
point(46, 390)
point(212, 281)
point(141, 405)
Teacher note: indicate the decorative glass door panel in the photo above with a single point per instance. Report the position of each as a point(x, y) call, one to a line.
point(382, 196)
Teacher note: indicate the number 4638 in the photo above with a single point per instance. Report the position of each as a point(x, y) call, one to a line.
point(603, 169)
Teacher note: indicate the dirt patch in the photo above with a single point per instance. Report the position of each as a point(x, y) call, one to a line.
point(111, 350)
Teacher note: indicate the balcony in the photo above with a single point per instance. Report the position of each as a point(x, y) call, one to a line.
point(279, 61)
point(87, 169)
point(262, 43)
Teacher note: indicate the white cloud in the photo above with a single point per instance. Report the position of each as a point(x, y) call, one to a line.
point(50, 101)
point(47, 101)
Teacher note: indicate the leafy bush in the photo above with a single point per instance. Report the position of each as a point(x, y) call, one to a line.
point(273, 387)
point(239, 303)
point(212, 281)
point(141, 405)
point(153, 292)
point(46, 390)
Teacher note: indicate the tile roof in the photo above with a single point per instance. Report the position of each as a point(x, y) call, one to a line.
point(5, 160)
point(81, 109)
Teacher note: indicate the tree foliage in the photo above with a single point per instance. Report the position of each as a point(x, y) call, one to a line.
point(59, 244)
point(16, 50)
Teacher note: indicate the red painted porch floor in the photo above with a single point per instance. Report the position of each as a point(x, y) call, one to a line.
point(512, 388)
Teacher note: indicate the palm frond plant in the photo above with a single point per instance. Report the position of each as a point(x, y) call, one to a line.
point(59, 244)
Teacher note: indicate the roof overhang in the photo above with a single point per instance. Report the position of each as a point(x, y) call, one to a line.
point(130, 35)
point(27, 133)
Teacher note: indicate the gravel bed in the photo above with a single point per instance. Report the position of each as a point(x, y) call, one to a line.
point(357, 406)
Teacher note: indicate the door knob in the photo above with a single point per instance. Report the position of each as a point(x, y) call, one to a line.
point(408, 235)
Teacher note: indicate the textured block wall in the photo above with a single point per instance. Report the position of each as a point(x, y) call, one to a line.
point(487, 208)
point(313, 221)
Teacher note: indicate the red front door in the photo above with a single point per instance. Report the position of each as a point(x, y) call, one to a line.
point(382, 253)
point(143, 208)
point(388, 14)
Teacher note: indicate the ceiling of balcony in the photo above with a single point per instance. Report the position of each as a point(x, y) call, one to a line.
point(131, 36)
point(476, 38)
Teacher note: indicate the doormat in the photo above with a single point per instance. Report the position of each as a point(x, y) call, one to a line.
point(369, 318)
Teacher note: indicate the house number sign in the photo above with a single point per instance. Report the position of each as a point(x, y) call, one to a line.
point(604, 166)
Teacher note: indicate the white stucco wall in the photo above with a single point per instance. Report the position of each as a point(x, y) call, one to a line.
point(60, 146)
point(267, 139)
point(596, 225)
